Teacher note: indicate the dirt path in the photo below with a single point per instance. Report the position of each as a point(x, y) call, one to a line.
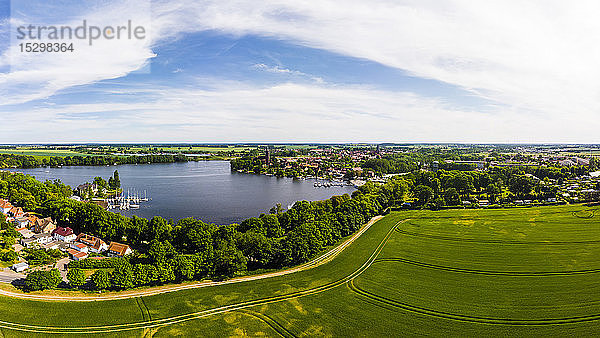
point(209, 312)
point(323, 259)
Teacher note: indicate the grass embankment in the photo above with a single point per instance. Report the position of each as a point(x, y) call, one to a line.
point(457, 272)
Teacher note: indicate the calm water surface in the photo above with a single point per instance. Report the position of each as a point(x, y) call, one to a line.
point(207, 190)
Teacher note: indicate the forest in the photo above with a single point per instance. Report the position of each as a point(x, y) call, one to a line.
point(24, 161)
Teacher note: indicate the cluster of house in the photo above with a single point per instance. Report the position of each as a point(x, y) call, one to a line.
point(45, 234)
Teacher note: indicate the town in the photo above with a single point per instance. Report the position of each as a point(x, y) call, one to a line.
point(43, 234)
point(552, 174)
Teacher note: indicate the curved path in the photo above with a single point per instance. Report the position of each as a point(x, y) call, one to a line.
point(347, 280)
point(325, 258)
point(487, 272)
point(238, 306)
point(492, 241)
point(466, 318)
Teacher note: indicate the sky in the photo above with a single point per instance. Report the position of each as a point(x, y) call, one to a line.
point(326, 71)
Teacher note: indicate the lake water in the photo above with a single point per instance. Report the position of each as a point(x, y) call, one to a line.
point(207, 190)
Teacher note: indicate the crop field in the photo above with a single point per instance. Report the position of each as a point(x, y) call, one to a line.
point(517, 272)
point(200, 149)
point(40, 153)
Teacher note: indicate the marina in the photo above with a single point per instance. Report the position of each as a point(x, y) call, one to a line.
point(126, 202)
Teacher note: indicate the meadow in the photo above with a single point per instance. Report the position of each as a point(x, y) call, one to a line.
point(518, 272)
point(194, 148)
point(41, 153)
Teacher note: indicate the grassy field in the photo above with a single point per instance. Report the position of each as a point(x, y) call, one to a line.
point(42, 152)
point(200, 149)
point(517, 272)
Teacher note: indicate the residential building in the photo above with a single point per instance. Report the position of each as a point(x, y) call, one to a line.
point(29, 242)
point(95, 244)
point(24, 232)
point(118, 250)
point(45, 225)
point(16, 212)
point(79, 247)
point(21, 222)
point(77, 255)
point(64, 234)
point(43, 238)
point(50, 246)
point(20, 267)
point(5, 206)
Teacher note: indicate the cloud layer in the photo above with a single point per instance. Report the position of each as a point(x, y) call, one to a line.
point(536, 59)
point(289, 112)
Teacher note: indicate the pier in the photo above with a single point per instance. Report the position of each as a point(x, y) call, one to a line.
point(131, 201)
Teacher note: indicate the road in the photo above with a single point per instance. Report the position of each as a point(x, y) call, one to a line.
point(61, 265)
point(8, 276)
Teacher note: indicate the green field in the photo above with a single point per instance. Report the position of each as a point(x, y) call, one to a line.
point(199, 149)
point(42, 152)
point(517, 272)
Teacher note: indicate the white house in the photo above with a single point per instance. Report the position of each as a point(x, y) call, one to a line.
point(118, 250)
point(43, 238)
point(63, 234)
point(20, 267)
point(95, 244)
point(21, 222)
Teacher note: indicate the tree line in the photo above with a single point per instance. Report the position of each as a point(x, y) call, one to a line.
point(24, 161)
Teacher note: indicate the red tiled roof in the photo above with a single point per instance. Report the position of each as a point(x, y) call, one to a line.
point(90, 240)
point(119, 248)
point(76, 253)
point(5, 204)
point(80, 254)
point(63, 231)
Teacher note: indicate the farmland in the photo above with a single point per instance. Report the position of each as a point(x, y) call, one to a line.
point(529, 271)
point(41, 152)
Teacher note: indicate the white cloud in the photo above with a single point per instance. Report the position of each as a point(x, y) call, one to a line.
point(288, 112)
point(536, 56)
point(286, 71)
point(39, 75)
point(539, 58)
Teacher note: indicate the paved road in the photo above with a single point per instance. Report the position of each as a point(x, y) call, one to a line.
point(8, 276)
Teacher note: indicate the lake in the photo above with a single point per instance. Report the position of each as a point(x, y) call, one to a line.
point(207, 190)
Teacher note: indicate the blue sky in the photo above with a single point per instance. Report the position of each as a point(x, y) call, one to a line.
point(333, 71)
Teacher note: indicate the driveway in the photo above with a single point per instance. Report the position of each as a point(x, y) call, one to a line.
point(61, 265)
